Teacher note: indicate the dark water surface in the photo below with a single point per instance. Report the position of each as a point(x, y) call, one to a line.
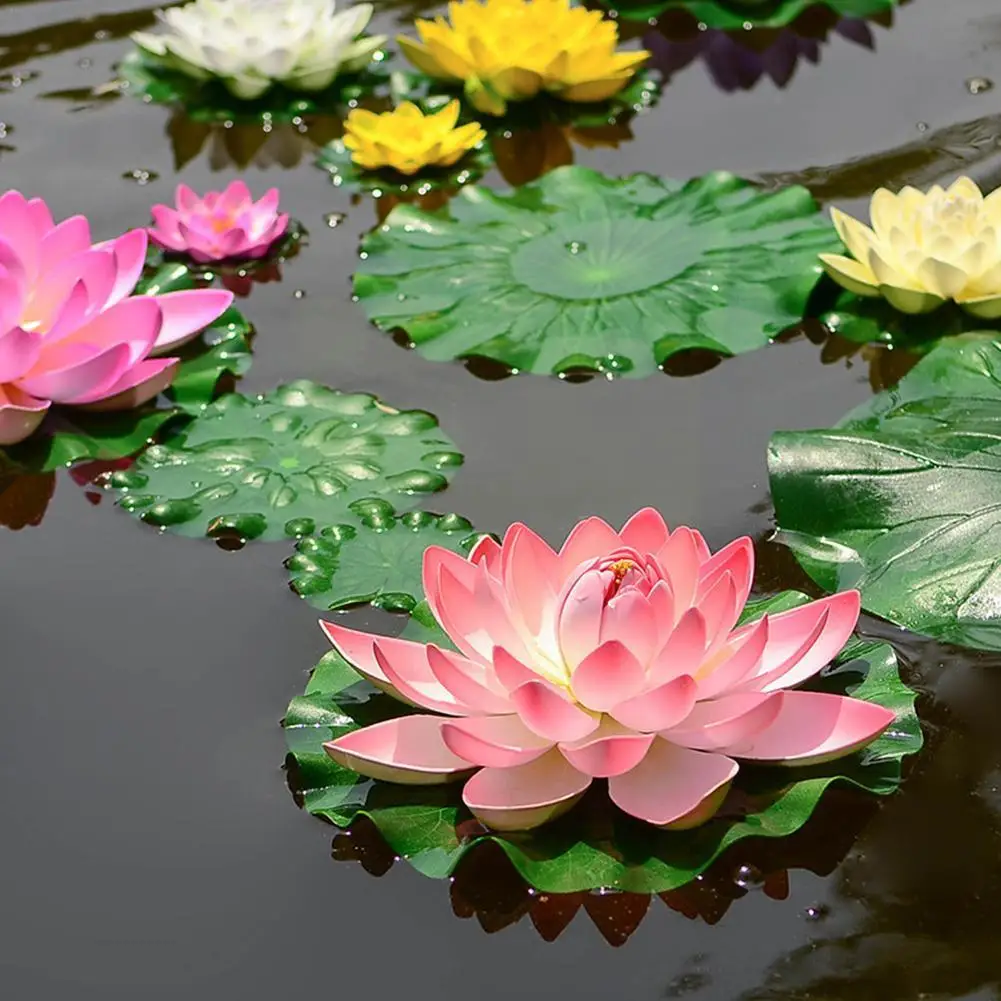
point(150, 848)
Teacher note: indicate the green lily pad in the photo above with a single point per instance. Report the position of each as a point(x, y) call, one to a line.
point(577, 271)
point(279, 465)
point(736, 14)
point(593, 845)
point(375, 557)
point(901, 498)
point(335, 159)
point(210, 101)
point(67, 436)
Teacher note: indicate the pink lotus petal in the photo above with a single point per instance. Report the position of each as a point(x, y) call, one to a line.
point(661, 599)
point(646, 531)
point(510, 671)
point(738, 660)
point(589, 539)
point(11, 300)
point(468, 682)
point(165, 232)
point(267, 204)
point(187, 313)
point(41, 217)
point(20, 414)
point(814, 727)
point(358, 649)
point(69, 317)
point(408, 750)
point(138, 385)
point(737, 559)
point(629, 619)
point(19, 351)
point(680, 557)
point(683, 651)
point(674, 786)
point(413, 685)
point(611, 750)
point(69, 238)
point(720, 609)
point(518, 799)
point(550, 713)
point(530, 572)
point(494, 741)
point(17, 223)
point(82, 379)
point(804, 640)
point(130, 255)
point(723, 722)
point(186, 199)
point(659, 708)
point(579, 618)
point(234, 197)
point(607, 676)
point(486, 550)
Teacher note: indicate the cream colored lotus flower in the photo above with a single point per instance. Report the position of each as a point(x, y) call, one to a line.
point(925, 249)
point(251, 44)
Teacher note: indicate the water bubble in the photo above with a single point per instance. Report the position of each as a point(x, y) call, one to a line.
point(299, 293)
point(102, 35)
point(334, 219)
point(979, 84)
point(364, 255)
point(140, 175)
point(922, 126)
point(575, 246)
point(817, 912)
point(748, 877)
point(652, 21)
point(401, 297)
point(85, 63)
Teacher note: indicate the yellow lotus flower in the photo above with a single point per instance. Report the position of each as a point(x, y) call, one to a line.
point(510, 50)
point(407, 140)
point(924, 249)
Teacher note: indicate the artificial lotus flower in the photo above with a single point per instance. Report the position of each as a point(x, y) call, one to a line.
point(251, 44)
point(222, 225)
point(70, 331)
point(924, 249)
point(407, 140)
point(511, 50)
point(618, 657)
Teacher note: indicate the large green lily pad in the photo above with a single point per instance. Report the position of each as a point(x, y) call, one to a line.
point(902, 498)
point(577, 271)
point(376, 556)
point(281, 464)
point(594, 845)
point(737, 14)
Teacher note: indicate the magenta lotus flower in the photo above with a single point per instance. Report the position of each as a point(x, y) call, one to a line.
point(618, 657)
point(224, 225)
point(70, 331)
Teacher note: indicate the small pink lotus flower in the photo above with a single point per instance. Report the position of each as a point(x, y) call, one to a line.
point(618, 658)
point(70, 331)
point(224, 225)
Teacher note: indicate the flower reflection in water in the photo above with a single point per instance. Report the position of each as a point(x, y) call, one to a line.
point(485, 885)
point(226, 145)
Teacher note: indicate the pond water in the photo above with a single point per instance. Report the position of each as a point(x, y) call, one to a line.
point(150, 847)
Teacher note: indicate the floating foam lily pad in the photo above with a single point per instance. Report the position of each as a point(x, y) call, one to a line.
point(901, 498)
point(577, 271)
point(374, 557)
point(739, 14)
point(282, 464)
point(429, 826)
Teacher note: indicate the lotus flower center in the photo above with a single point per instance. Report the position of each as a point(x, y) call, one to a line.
point(619, 570)
point(221, 223)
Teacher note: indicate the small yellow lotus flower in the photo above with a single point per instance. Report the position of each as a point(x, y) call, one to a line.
point(407, 140)
point(924, 249)
point(510, 50)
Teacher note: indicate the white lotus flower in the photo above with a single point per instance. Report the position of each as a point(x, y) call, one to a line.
point(251, 44)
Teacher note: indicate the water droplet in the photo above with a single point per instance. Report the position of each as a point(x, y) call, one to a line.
point(299, 293)
point(364, 255)
point(334, 219)
point(979, 84)
point(85, 63)
point(102, 35)
point(922, 126)
point(575, 246)
point(140, 175)
point(748, 877)
point(652, 21)
point(817, 912)
point(401, 297)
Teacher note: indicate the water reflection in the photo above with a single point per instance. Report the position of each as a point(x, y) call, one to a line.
point(249, 144)
point(486, 886)
point(24, 498)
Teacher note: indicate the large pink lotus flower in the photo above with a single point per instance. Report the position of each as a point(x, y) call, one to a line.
point(615, 658)
point(70, 332)
point(224, 225)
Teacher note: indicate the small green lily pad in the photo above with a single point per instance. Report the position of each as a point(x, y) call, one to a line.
point(580, 272)
point(741, 14)
point(593, 845)
point(210, 101)
point(375, 557)
point(901, 498)
point(281, 464)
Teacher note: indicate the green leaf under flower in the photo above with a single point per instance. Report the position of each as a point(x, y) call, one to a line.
point(286, 462)
point(738, 14)
point(593, 845)
point(900, 498)
point(578, 271)
point(376, 556)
